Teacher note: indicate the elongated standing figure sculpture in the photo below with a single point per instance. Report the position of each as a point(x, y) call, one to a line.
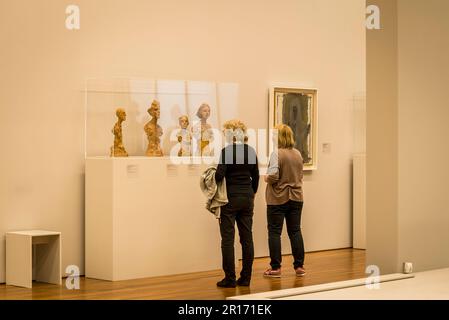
point(118, 150)
point(154, 131)
point(184, 137)
point(202, 132)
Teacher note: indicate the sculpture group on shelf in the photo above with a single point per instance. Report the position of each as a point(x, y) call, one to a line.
point(118, 150)
point(154, 131)
point(201, 131)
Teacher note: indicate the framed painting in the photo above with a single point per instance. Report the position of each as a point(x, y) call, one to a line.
point(297, 108)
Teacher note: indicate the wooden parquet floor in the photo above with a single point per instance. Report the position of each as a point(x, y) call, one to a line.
point(321, 267)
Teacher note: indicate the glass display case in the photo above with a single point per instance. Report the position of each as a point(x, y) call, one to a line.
point(132, 199)
point(176, 98)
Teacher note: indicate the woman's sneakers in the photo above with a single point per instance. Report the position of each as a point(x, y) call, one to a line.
point(276, 273)
point(272, 273)
point(300, 272)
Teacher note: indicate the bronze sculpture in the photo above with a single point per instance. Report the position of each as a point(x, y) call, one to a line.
point(118, 150)
point(154, 131)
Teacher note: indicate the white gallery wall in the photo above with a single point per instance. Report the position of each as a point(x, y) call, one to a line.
point(423, 202)
point(407, 149)
point(381, 140)
point(44, 66)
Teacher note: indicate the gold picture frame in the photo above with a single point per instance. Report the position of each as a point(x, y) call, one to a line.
point(297, 108)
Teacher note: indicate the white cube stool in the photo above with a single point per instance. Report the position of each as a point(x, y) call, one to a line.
point(19, 257)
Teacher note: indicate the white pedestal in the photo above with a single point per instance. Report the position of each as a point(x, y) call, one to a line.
point(19, 257)
point(359, 198)
point(146, 217)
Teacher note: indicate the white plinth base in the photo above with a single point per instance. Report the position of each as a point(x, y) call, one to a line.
point(146, 217)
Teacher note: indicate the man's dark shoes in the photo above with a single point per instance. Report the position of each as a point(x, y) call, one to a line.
point(226, 283)
point(243, 282)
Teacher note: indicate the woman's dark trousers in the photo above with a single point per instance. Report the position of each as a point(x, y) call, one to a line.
point(291, 212)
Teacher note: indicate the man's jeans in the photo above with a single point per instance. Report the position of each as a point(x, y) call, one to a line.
point(240, 210)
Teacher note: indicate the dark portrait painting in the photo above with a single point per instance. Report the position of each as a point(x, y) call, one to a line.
point(296, 108)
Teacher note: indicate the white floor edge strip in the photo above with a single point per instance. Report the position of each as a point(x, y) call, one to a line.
point(279, 294)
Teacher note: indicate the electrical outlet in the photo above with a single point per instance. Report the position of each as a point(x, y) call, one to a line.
point(408, 267)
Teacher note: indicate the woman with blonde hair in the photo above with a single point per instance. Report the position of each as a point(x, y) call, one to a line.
point(238, 164)
point(284, 199)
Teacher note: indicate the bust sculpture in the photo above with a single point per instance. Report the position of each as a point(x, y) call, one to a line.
point(118, 150)
point(184, 137)
point(202, 131)
point(154, 131)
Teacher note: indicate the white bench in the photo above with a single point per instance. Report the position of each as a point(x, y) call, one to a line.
point(33, 249)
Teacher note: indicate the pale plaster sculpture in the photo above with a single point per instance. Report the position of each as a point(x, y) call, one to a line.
point(154, 131)
point(184, 138)
point(118, 150)
point(202, 132)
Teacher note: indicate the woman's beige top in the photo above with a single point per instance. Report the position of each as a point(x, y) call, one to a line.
point(284, 177)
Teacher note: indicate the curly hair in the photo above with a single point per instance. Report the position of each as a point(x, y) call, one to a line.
point(237, 129)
